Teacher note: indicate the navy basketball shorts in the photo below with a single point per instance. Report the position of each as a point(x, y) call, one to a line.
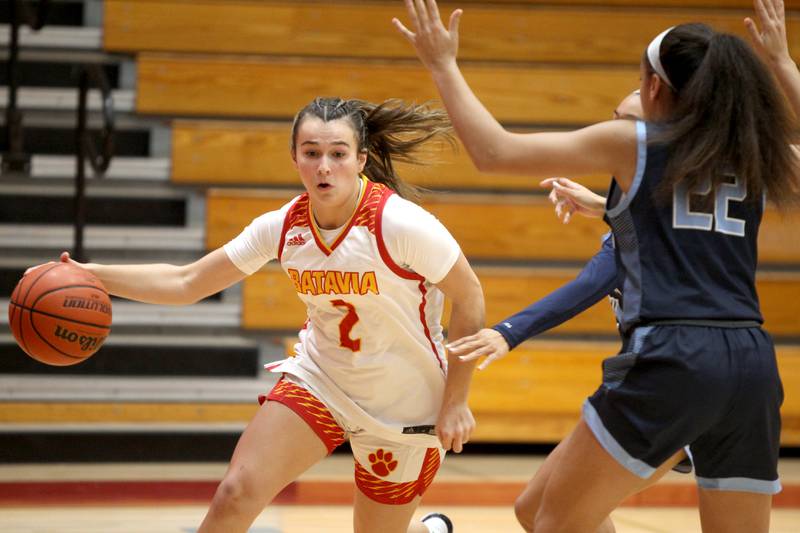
point(714, 389)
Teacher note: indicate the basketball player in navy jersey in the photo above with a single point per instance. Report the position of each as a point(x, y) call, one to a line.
point(598, 279)
point(696, 368)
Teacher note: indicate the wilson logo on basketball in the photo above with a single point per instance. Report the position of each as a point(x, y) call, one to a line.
point(297, 240)
point(86, 342)
point(90, 304)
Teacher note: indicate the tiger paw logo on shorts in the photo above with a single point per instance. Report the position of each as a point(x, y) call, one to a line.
point(382, 463)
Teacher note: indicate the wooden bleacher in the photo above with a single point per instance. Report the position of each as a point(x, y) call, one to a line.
point(532, 395)
point(563, 34)
point(245, 153)
point(265, 87)
point(529, 230)
point(538, 389)
point(269, 300)
point(534, 63)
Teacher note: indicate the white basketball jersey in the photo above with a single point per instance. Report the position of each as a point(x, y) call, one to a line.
point(372, 345)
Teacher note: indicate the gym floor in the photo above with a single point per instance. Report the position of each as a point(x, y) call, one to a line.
point(475, 491)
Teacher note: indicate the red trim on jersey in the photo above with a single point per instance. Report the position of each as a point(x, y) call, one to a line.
point(291, 219)
point(366, 187)
point(423, 319)
point(403, 273)
point(397, 269)
point(315, 233)
point(367, 215)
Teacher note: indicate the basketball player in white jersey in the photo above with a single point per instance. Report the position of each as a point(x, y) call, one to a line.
point(373, 269)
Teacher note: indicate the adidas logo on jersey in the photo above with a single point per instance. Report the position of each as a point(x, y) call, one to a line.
point(297, 240)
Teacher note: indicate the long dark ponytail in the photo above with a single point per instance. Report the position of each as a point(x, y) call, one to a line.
point(387, 132)
point(729, 117)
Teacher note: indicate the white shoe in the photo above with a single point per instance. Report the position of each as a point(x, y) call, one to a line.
point(438, 523)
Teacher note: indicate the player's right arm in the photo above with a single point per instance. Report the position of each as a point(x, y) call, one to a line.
point(167, 284)
point(769, 38)
point(605, 148)
point(186, 284)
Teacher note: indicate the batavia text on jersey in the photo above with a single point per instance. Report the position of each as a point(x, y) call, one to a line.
point(316, 282)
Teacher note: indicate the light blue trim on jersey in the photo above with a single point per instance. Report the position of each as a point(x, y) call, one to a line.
point(740, 484)
point(609, 443)
point(641, 164)
point(639, 336)
point(630, 256)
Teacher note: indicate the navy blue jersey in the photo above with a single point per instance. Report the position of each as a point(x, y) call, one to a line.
point(682, 262)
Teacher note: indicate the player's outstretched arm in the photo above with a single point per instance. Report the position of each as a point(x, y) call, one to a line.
point(487, 343)
point(598, 149)
point(437, 48)
point(167, 284)
point(461, 286)
point(596, 281)
point(768, 35)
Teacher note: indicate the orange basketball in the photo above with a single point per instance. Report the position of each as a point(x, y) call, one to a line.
point(60, 314)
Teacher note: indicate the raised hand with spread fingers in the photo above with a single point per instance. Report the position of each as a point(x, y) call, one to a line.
point(768, 35)
point(436, 46)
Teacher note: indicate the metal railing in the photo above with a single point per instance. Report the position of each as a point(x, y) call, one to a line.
point(15, 159)
point(97, 155)
point(98, 158)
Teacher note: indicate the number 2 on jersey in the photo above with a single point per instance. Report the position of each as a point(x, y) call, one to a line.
point(683, 216)
point(346, 325)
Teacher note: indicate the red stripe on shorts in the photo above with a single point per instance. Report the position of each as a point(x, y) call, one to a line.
point(391, 493)
point(310, 409)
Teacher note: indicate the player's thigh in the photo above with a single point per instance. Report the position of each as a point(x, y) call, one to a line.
point(734, 512)
point(370, 516)
point(588, 484)
point(275, 448)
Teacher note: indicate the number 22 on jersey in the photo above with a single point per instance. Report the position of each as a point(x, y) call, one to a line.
point(346, 325)
point(684, 218)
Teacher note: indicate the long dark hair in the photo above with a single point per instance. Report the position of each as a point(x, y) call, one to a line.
point(387, 132)
point(729, 116)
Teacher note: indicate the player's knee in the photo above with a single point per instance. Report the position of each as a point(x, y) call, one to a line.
point(236, 492)
point(525, 511)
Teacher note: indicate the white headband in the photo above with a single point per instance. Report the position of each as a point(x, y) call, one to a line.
point(654, 56)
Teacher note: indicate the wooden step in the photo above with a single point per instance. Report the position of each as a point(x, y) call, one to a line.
point(45, 209)
point(507, 227)
point(59, 74)
point(67, 13)
point(532, 395)
point(146, 356)
point(248, 153)
point(745, 5)
point(274, 87)
point(565, 34)
point(269, 301)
